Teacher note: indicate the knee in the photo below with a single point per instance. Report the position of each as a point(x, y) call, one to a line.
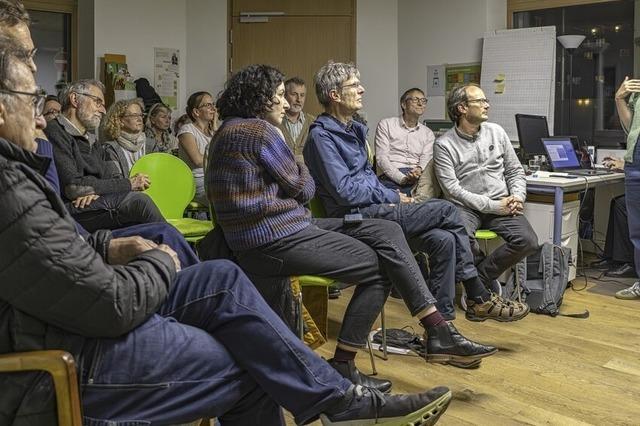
point(222, 273)
point(444, 240)
point(527, 243)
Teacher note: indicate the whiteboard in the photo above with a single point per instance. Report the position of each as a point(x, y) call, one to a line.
point(526, 58)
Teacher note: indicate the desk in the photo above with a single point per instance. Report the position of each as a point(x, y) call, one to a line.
point(543, 184)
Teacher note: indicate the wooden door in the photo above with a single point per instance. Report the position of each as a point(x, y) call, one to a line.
point(296, 37)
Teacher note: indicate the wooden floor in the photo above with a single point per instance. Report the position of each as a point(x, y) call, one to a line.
point(558, 371)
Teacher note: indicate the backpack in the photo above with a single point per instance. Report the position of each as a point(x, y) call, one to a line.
point(541, 279)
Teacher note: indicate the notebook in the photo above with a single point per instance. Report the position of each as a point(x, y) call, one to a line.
point(562, 157)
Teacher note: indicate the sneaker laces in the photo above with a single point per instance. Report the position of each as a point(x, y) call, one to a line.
point(635, 288)
point(377, 397)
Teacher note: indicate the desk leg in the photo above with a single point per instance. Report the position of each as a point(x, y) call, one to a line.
point(557, 215)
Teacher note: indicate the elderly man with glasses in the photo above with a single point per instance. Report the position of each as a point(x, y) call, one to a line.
point(478, 170)
point(404, 146)
point(98, 197)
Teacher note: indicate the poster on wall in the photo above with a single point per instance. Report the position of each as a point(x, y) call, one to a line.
point(459, 74)
point(167, 75)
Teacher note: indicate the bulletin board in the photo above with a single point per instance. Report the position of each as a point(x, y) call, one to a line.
point(518, 74)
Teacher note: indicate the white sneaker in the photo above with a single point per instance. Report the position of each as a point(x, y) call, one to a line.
point(630, 293)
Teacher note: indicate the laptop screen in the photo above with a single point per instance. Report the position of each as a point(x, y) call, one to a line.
point(561, 153)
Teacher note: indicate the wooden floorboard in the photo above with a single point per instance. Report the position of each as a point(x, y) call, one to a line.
point(549, 371)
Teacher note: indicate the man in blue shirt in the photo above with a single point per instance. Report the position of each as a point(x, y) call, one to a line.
point(336, 155)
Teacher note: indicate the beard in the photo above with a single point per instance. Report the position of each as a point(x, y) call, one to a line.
point(88, 120)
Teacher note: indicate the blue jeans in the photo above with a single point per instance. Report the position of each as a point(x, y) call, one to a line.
point(215, 349)
point(161, 233)
point(632, 192)
point(405, 189)
point(434, 227)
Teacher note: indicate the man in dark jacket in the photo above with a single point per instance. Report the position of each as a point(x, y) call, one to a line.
point(152, 344)
point(98, 199)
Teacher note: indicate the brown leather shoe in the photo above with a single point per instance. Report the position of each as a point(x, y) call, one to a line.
point(496, 308)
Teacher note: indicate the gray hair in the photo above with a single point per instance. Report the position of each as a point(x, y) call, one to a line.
point(13, 13)
point(330, 77)
point(10, 54)
point(457, 96)
point(79, 86)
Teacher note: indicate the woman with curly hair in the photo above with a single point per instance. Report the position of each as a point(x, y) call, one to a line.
point(258, 193)
point(194, 137)
point(157, 127)
point(125, 140)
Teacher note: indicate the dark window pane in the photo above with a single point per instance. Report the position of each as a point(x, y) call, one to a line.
point(51, 33)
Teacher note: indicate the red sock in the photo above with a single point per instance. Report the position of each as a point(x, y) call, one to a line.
point(343, 355)
point(434, 319)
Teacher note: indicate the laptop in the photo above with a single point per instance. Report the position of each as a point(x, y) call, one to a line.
point(562, 157)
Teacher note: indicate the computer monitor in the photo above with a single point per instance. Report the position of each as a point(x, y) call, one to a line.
point(531, 128)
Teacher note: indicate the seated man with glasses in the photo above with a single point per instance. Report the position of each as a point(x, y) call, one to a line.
point(478, 170)
point(52, 108)
point(404, 146)
point(98, 197)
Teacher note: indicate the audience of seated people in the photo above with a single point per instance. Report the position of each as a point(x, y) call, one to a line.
point(194, 137)
point(124, 138)
point(109, 200)
point(144, 319)
point(295, 126)
point(258, 193)
point(336, 154)
point(479, 171)
point(157, 127)
point(404, 146)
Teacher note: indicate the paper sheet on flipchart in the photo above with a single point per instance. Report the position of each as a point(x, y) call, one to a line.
point(520, 64)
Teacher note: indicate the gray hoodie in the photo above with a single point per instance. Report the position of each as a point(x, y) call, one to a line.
point(477, 172)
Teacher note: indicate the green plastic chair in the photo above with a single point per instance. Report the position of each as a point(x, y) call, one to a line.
point(172, 189)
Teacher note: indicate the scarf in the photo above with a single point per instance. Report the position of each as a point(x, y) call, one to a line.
point(167, 142)
point(133, 142)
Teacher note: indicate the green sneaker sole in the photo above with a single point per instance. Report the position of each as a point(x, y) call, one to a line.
point(425, 416)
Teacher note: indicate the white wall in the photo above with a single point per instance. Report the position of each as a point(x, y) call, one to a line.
point(442, 32)
point(134, 28)
point(206, 46)
point(377, 58)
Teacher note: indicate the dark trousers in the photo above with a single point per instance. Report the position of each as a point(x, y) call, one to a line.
point(520, 241)
point(372, 254)
point(113, 211)
point(405, 189)
point(215, 349)
point(618, 231)
point(434, 227)
point(162, 233)
point(632, 192)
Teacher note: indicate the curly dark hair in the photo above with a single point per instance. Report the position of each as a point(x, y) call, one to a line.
point(249, 92)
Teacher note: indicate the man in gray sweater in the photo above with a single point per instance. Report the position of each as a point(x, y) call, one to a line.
point(479, 171)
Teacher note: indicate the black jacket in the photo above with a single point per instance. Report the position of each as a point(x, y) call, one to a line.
point(81, 168)
point(56, 289)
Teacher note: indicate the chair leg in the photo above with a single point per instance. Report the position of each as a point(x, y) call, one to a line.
point(371, 357)
point(300, 317)
point(383, 325)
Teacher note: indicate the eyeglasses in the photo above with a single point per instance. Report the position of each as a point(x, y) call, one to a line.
point(133, 115)
point(355, 85)
point(207, 105)
point(38, 99)
point(98, 101)
point(53, 113)
point(480, 101)
point(419, 101)
point(32, 53)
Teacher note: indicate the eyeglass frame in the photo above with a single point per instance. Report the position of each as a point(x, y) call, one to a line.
point(207, 105)
point(419, 101)
point(481, 100)
point(352, 86)
point(39, 98)
point(96, 99)
point(140, 116)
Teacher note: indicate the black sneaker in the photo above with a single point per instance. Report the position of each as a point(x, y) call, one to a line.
point(349, 371)
point(363, 406)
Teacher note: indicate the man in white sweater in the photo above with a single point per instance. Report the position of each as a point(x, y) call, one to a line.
point(478, 170)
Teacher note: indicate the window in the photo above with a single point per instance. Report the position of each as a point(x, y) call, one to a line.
point(51, 33)
point(588, 77)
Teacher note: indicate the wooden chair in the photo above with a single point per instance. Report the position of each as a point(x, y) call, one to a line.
point(62, 368)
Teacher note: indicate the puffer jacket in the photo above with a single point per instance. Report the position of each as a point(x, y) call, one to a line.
point(56, 289)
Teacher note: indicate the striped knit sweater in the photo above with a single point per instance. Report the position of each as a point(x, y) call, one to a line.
point(256, 188)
